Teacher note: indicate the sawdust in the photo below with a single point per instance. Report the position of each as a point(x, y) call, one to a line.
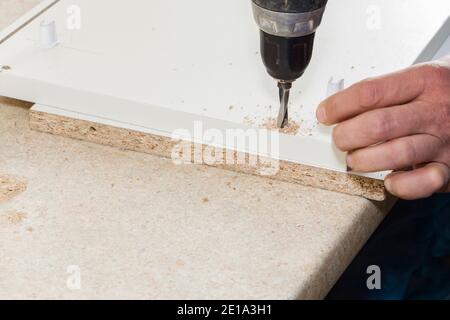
point(15, 217)
point(249, 121)
point(10, 187)
point(180, 263)
point(292, 128)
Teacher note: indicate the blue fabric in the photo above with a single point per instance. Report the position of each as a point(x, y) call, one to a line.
point(412, 249)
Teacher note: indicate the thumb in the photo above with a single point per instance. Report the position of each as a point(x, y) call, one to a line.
point(419, 183)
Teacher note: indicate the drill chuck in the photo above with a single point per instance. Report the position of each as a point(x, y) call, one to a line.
point(286, 59)
point(288, 18)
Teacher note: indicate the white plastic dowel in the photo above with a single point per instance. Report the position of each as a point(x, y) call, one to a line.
point(48, 37)
point(335, 86)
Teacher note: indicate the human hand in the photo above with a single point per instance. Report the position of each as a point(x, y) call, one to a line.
point(400, 122)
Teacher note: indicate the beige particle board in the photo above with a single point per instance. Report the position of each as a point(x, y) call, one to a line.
point(10, 187)
point(94, 131)
point(139, 227)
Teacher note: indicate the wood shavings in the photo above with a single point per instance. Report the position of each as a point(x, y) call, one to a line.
point(292, 128)
point(249, 121)
point(10, 187)
point(15, 217)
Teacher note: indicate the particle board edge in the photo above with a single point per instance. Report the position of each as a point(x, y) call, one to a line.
point(132, 140)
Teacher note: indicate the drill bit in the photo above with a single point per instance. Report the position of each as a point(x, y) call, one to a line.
point(283, 115)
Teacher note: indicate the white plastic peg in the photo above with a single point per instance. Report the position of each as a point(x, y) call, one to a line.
point(48, 37)
point(335, 86)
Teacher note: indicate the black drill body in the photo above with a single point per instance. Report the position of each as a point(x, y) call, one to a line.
point(287, 40)
point(286, 59)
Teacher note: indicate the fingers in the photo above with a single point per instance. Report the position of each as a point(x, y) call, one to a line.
point(396, 154)
point(381, 125)
point(419, 183)
point(393, 89)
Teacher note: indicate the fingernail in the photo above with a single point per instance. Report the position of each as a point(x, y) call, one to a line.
point(388, 184)
point(321, 114)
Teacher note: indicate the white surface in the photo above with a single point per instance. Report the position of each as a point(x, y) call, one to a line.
point(159, 64)
point(445, 49)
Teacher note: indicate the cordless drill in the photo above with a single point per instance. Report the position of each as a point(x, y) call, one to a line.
point(287, 39)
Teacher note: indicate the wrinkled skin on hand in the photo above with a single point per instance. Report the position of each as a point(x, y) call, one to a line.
point(400, 122)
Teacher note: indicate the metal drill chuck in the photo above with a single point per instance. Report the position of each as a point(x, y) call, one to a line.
point(289, 18)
